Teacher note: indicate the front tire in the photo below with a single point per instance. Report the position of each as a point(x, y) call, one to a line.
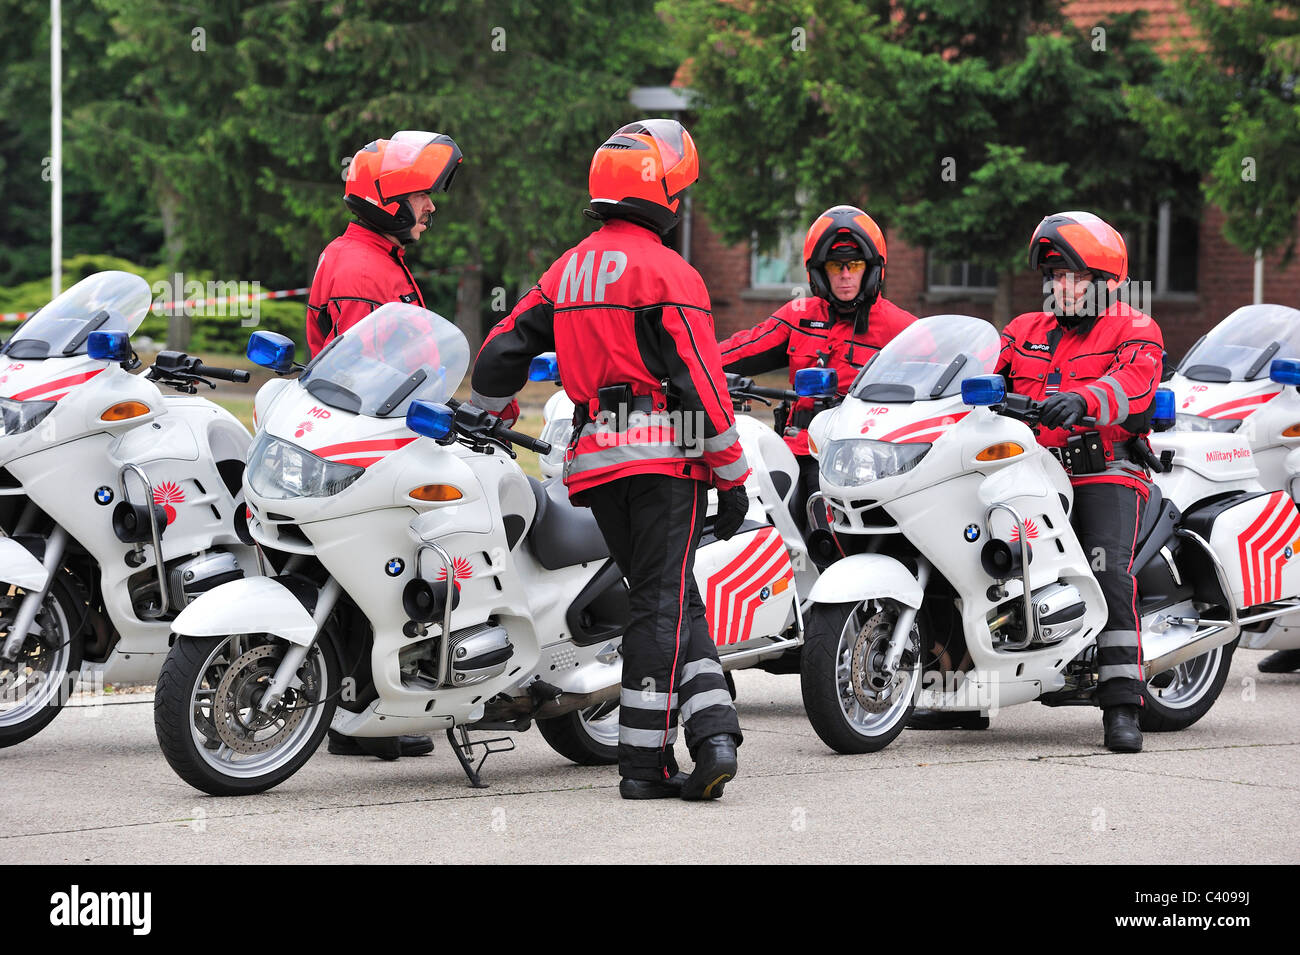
point(843, 643)
point(206, 716)
point(588, 737)
point(1177, 698)
point(34, 689)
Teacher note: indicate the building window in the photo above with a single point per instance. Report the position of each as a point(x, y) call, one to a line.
point(779, 267)
point(941, 276)
point(1164, 249)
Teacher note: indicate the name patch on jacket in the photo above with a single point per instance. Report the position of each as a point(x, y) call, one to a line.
point(1030, 346)
point(813, 323)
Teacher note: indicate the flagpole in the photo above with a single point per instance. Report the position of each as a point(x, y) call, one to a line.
point(56, 148)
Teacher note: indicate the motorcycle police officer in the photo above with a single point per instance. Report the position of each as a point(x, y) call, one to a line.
point(841, 327)
point(1090, 355)
point(631, 326)
point(387, 188)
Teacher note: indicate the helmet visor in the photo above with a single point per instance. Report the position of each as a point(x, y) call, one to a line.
point(681, 164)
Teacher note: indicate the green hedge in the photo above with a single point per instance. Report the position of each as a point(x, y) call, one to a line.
point(212, 331)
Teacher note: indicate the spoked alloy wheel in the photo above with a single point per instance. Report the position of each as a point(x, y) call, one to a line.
point(209, 722)
point(1177, 698)
point(34, 688)
point(588, 737)
point(852, 706)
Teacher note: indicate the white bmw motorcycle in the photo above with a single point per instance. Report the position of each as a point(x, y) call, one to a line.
point(419, 584)
point(118, 505)
point(965, 587)
point(1225, 385)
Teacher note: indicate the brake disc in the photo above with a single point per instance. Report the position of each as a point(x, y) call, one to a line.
point(868, 656)
point(239, 691)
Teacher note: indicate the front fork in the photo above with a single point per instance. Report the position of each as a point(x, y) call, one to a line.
point(286, 674)
point(31, 605)
point(902, 629)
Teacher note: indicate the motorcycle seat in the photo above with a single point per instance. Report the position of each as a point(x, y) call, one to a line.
point(563, 535)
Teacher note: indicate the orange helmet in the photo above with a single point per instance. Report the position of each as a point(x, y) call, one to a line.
point(383, 175)
point(1080, 242)
point(641, 171)
point(840, 226)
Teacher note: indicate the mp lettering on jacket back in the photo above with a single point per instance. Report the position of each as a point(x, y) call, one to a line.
point(576, 280)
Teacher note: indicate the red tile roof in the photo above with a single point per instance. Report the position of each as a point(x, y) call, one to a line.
point(1166, 20)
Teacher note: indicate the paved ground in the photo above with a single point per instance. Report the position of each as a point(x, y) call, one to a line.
point(1037, 787)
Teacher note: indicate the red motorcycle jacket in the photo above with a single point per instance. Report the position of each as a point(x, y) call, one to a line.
point(357, 272)
point(802, 333)
point(1113, 362)
point(621, 309)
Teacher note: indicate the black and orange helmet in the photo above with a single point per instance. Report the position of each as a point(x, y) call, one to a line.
point(835, 227)
point(1080, 242)
point(641, 171)
point(383, 175)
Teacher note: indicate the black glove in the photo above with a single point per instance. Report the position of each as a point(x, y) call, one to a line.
point(733, 503)
point(1062, 410)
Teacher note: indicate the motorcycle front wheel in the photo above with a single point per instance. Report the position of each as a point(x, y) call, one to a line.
point(35, 687)
point(1177, 698)
point(840, 676)
point(210, 726)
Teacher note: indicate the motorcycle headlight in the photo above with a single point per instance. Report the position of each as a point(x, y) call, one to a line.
point(19, 416)
point(280, 470)
point(860, 460)
point(1191, 422)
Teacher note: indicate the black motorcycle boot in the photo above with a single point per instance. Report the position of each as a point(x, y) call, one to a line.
point(1283, 661)
point(942, 720)
point(715, 764)
point(670, 788)
point(388, 747)
point(1121, 725)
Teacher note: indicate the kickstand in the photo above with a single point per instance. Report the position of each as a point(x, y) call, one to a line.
point(464, 750)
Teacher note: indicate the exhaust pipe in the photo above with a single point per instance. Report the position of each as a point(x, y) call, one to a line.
point(1217, 637)
point(518, 706)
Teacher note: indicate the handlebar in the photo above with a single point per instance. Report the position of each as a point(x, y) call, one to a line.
point(477, 424)
point(221, 374)
point(1027, 410)
point(740, 387)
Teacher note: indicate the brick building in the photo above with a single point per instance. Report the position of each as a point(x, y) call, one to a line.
point(1196, 275)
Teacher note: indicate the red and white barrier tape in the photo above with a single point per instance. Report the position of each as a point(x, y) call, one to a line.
point(188, 303)
point(205, 302)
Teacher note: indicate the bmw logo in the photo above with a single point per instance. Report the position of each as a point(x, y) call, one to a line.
point(104, 495)
point(395, 567)
point(1288, 552)
point(765, 593)
point(972, 533)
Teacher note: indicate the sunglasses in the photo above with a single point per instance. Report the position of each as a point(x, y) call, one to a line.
point(853, 267)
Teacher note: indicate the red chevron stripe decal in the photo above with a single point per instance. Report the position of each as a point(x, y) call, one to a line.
point(1270, 542)
point(55, 385)
point(908, 433)
point(740, 580)
point(1243, 405)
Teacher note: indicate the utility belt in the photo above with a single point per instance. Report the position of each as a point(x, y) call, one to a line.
point(618, 401)
point(797, 419)
point(1085, 454)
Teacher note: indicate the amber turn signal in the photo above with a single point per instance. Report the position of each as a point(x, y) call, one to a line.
point(435, 492)
point(125, 410)
point(1000, 452)
point(1292, 432)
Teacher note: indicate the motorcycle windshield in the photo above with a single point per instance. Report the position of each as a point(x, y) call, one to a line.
point(103, 302)
point(395, 355)
point(1243, 345)
point(929, 359)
